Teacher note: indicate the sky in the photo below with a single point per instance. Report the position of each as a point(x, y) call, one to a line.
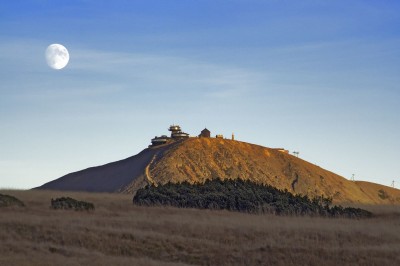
point(317, 77)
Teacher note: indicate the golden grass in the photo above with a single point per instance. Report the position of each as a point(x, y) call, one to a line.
point(198, 159)
point(118, 233)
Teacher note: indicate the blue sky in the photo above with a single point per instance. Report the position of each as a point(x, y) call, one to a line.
point(318, 77)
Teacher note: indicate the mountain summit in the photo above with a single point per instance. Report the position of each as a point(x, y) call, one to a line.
point(196, 159)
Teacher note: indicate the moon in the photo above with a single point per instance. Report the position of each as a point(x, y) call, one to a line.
point(57, 56)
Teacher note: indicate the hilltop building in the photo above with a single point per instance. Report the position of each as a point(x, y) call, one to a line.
point(176, 134)
point(205, 133)
point(159, 140)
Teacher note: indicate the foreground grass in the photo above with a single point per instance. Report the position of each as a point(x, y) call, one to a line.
point(119, 233)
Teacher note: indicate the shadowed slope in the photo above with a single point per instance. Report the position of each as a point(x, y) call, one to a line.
point(117, 176)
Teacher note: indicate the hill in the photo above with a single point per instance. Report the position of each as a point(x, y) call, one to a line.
point(198, 159)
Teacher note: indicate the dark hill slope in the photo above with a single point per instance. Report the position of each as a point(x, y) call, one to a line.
point(111, 177)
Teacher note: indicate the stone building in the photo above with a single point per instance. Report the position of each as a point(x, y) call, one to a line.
point(205, 133)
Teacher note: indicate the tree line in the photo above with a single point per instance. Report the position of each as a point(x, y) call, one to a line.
point(243, 196)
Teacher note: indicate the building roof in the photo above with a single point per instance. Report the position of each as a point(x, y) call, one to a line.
point(205, 130)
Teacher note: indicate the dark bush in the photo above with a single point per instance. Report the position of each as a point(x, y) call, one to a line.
point(71, 204)
point(243, 196)
point(7, 200)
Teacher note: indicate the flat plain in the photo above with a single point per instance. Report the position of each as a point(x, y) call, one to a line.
point(119, 233)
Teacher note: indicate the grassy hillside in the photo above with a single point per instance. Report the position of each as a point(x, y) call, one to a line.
point(386, 195)
point(119, 233)
point(198, 159)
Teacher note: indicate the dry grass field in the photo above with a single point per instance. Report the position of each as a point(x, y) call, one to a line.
point(118, 233)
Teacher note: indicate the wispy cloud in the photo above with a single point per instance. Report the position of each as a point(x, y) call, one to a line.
point(173, 73)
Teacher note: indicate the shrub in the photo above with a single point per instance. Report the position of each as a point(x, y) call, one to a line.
point(71, 204)
point(241, 195)
point(7, 200)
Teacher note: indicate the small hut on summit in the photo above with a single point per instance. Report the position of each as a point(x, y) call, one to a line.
point(205, 133)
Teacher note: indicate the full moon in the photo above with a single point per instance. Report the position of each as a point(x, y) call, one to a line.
point(57, 56)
